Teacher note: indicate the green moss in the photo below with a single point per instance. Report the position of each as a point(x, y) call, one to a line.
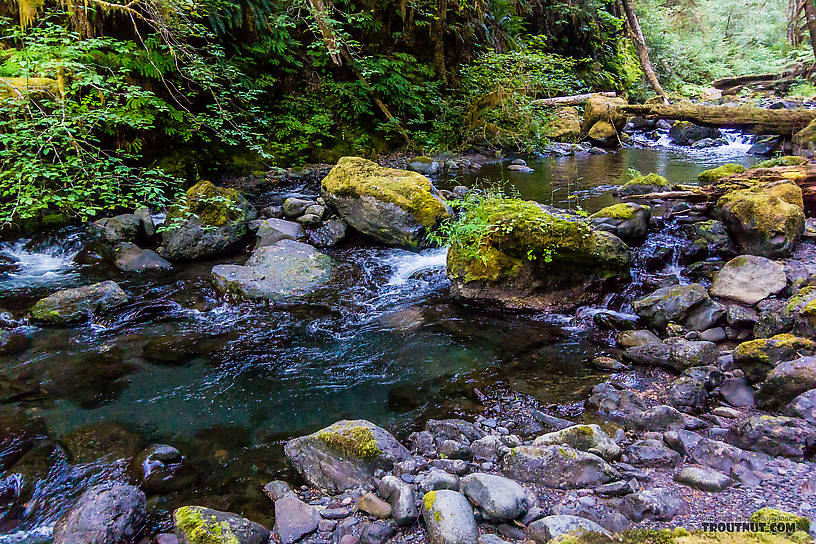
point(788, 160)
point(683, 536)
point(804, 297)
point(772, 515)
point(769, 210)
point(190, 520)
point(423, 159)
point(650, 180)
point(356, 177)
point(715, 174)
point(351, 440)
point(214, 206)
point(617, 211)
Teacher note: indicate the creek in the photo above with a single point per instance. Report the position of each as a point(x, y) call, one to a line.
point(227, 383)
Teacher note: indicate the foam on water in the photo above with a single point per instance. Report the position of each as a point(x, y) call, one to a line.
point(406, 265)
point(35, 267)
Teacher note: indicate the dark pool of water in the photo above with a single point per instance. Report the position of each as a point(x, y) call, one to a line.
point(227, 382)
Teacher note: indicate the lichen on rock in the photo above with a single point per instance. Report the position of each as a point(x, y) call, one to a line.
point(715, 174)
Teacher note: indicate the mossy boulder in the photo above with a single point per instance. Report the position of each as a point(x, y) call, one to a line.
point(589, 438)
point(707, 177)
point(801, 309)
point(604, 134)
point(672, 304)
point(394, 207)
point(424, 165)
point(281, 270)
point(764, 220)
point(786, 381)
point(206, 222)
point(787, 160)
point(200, 525)
point(758, 357)
point(344, 455)
point(527, 256)
point(640, 185)
point(600, 108)
point(78, 304)
point(564, 125)
point(628, 221)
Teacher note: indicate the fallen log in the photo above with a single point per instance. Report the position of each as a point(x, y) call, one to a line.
point(804, 176)
point(740, 81)
point(573, 100)
point(757, 120)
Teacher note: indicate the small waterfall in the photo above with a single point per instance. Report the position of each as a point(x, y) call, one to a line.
point(31, 265)
point(407, 265)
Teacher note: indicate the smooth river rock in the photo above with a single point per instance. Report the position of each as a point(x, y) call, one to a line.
point(449, 518)
point(78, 304)
point(284, 269)
point(559, 467)
point(749, 279)
point(499, 498)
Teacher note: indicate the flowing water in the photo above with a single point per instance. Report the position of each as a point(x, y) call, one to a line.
point(227, 382)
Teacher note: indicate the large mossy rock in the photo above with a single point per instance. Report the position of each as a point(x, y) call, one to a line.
point(764, 220)
point(758, 357)
point(565, 125)
point(601, 108)
point(394, 207)
point(200, 525)
point(801, 311)
point(712, 175)
point(628, 221)
point(208, 221)
point(641, 185)
point(526, 256)
point(686, 304)
point(344, 455)
point(787, 381)
point(286, 268)
point(78, 304)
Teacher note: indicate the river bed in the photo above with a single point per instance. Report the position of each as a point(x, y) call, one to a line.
point(227, 383)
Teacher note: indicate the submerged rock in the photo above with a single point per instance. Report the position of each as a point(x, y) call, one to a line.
point(286, 268)
point(749, 279)
point(200, 525)
point(531, 257)
point(764, 220)
point(78, 304)
point(103, 514)
point(208, 221)
point(394, 207)
point(344, 455)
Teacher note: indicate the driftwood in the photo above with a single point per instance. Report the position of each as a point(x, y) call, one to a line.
point(573, 100)
point(757, 120)
point(804, 176)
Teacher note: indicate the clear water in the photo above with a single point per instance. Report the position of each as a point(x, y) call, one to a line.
point(382, 342)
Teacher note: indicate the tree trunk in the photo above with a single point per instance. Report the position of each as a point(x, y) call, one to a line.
point(810, 17)
point(642, 51)
point(438, 38)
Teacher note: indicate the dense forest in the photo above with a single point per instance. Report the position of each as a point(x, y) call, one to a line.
point(131, 101)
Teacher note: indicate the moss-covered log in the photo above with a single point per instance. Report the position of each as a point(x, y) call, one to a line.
point(757, 120)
